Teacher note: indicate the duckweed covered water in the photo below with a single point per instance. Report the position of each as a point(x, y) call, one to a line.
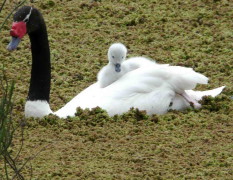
point(194, 144)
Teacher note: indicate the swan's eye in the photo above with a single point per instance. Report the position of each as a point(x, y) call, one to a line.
point(113, 57)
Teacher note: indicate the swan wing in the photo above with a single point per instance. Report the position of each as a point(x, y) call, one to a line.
point(149, 88)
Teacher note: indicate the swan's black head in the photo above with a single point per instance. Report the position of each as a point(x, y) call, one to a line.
point(26, 20)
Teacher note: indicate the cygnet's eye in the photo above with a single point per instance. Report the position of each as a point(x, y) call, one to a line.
point(122, 57)
point(113, 57)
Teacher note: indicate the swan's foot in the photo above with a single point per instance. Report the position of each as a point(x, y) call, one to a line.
point(193, 102)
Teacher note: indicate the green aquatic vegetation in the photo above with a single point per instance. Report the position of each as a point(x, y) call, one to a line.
point(217, 104)
point(47, 4)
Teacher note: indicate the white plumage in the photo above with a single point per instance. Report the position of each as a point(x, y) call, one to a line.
point(117, 66)
point(113, 70)
point(155, 89)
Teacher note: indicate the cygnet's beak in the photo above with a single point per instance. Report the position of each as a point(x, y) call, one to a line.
point(118, 67)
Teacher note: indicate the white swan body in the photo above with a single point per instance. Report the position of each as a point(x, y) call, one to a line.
point(152, 89)
point(146, 85)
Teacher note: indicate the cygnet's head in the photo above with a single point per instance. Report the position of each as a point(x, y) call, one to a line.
point(116, 55)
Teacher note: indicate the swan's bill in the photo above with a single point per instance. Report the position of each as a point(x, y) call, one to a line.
point(18, 31)
point(13, 44)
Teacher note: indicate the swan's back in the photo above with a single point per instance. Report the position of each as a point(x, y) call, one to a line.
point(107, 75)
point(137, 62)
point(148, 88)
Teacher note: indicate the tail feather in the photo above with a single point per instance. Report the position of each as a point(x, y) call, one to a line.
point(179, 102)
point(185, 78)
point(199, 94)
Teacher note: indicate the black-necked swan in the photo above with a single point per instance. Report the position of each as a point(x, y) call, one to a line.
point(155, 89)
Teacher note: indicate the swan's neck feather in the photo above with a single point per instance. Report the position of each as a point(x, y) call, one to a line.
point(41, 68)
point(38, 108)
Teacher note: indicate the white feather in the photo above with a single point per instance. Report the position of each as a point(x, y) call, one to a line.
point(108, 74)
point(37, 108)
point(151, 88)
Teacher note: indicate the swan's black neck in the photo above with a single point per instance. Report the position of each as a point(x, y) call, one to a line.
point(41, 68)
